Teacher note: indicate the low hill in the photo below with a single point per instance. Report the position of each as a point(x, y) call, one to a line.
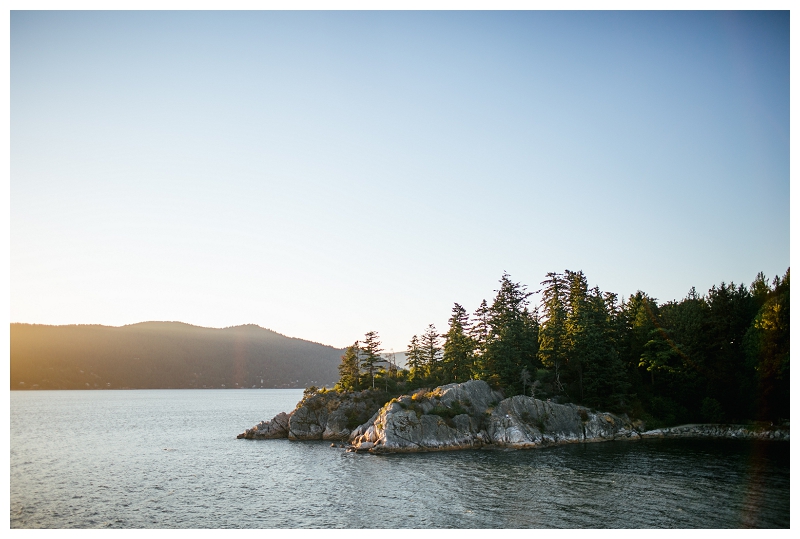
point(156, 355)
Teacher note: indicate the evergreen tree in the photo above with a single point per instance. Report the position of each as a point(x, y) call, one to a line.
point(661, 354)
point(722, 356)
point(457, 357)
point(479, 332)
point(431, 353)
point(731, 310)
point(553, 343)
point(636, 323)
point(681, 334)
point(760, 289)
point(767, 347)
point(606, 382)
point(414, 360)
point(513, 341)
point(349, 370)
point(595, 367)
point(581, 338)
point(371, 355)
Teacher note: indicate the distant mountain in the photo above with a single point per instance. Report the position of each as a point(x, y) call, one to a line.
point(399, 359)
point(165, 355)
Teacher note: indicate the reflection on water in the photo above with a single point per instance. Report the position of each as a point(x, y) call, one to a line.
point(170, 458)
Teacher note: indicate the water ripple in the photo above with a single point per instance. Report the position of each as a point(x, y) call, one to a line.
point(126, 460)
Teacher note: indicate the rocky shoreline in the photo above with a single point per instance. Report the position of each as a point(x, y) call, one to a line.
point(468, 415)
point(741, 432)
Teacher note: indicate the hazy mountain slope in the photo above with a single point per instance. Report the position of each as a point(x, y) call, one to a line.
point(165, 355)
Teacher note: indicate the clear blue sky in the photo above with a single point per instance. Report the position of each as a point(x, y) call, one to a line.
point(324, 174)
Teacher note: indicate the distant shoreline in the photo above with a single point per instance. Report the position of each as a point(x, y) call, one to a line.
point(165, 355)
point(24, 390)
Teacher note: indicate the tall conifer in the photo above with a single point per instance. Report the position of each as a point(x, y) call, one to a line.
point(414, 360)
point(431, 352)
point(349, 369)
point(457, 357)
point(372, 355)
point(479, 332)
point(553, 340)
point(513, 341)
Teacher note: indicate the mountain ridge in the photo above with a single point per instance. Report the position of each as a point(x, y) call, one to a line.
point(165, 354)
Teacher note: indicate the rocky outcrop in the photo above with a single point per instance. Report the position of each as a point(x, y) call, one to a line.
point(470, 415)
point(321, 415)
point(330, 415)
point(464, 416)
point(741, 432)
point(449, 417)
point(278, 427)
point(523, 422)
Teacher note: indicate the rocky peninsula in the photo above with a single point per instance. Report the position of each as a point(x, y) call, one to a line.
point(467, 415)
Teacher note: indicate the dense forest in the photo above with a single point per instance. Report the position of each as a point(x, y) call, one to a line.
point(718, 357)
point(155, 355)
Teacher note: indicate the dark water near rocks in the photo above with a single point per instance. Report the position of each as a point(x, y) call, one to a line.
point(170, 459)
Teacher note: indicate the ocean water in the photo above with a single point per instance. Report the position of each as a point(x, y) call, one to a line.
point(170, 459)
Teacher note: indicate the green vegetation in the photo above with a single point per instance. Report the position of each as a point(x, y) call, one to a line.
point(721, 357)
point(448, 411)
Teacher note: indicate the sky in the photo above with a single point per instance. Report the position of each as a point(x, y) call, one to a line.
point(326, 174)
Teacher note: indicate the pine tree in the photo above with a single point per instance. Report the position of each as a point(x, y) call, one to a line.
point(767, 347)
point(636, 321)
point(414, 360)
point(479, 332)
point(513, 341)
point(553, 342)
point(582, 333)
point(606, 383)
point(431, 353)
point(731, 310)
point(677, 357)
point(457, 357)
point(620, 385)
point(372, 357)
point(349, 369)
point(759, 289)
point(580, 339)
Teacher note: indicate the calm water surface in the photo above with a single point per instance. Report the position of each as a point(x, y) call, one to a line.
point(170, 459)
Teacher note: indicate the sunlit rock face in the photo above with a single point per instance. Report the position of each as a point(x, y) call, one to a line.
point(336, 414)
point(449, 417)
point(469, 415)
point(325, 415)
point(320, 416)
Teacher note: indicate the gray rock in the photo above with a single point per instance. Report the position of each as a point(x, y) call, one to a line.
point(336, 427)
point(475, 396)
point(278, 427)
point(307, 423)
point(463, 416)
point(325, 415)
point(719, 431)
point(429, 421)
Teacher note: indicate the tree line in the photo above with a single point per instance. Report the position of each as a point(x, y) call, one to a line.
point(718, 357)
